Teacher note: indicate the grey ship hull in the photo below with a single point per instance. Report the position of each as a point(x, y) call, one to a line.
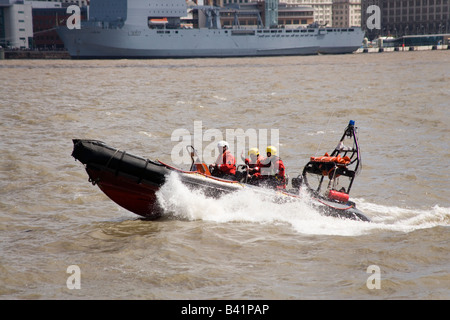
point(95, 41)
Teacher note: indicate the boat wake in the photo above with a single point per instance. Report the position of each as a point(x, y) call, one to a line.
point(178, 201)
point(405, 219)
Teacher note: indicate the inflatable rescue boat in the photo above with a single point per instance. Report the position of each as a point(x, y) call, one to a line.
point(132, 181)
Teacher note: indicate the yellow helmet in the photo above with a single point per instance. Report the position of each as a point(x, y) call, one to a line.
point(253, 151)
point(272, 150)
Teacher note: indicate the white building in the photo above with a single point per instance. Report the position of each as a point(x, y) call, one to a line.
point(346, 13)
point(323, 10)
point(16, 24)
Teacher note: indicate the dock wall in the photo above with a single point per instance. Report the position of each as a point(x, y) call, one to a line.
point(412, 48)
point(31, 54)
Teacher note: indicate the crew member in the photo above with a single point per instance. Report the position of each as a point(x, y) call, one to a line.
point(225, 165)
point(273, 169)
point(253, 163)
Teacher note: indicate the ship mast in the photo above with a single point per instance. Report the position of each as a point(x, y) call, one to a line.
point(271, 13)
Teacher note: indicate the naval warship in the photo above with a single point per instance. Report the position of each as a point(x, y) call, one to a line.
point(156, 29)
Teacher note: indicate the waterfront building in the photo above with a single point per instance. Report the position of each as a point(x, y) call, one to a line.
point(31, 24)
point(16, 26)
point(323, 10)
point(346, 13)
point(295, 15)
point(408, 17)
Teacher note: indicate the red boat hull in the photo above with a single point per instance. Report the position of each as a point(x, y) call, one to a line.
point(139, 198)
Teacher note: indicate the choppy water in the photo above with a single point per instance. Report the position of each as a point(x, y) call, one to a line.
point(237, 247)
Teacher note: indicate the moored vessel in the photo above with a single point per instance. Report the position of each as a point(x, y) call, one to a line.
point(154, 29)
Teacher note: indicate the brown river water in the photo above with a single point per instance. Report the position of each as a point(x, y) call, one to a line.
point(238, 247)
